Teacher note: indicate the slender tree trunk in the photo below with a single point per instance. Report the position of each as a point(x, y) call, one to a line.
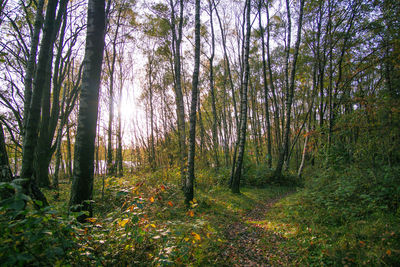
point(33, 121)
point(152, 142)
point(269, 145)
point(243, 107)
point(69, 153)
point(290, 91)
point(225, 127)
point(212, 90)
point(303, 155)
point(50, 108)
point(202, 132)
point(57, 165)
point(227, 65)
point(30, 67)
point(110, 164)
point(271, 79)
point(192, 117)
point(82, 185)
point(180, 107)
point(111, 59)
point(5, 170)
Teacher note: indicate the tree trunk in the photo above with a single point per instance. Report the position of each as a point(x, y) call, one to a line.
point(33, 121)
point(289, 92)
point(180, 107)
point(5, 170)
point(69, 152)
point(269, 145)
point(212, 90)
point(30, 66)
point(243, 107)
point(82, 185)
point(192, 117)
point(303, 155)
point(271, 79)
point(50, 111)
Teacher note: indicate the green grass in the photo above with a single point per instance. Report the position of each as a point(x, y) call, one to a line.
point(373, 240)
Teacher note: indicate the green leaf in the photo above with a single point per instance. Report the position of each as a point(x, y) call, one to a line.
point(17, 204)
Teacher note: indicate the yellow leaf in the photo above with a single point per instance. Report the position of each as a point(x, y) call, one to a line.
point(208, 235)
point(123, 222)
point(191, 213)
point(152, 199)
point(150, 224)
point(92, 220)
point(194, 200)
point(196, 236)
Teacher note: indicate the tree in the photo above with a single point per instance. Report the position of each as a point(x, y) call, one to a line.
point(237, 173)
point(30, 66)
point(180, 108)
point(33, 120)
point(111, 60)
point(188, 189)
point(82, 184)
point(50, 102)
point(5, 170)
point(269, 145)
point(212, 88)
point(289, 87)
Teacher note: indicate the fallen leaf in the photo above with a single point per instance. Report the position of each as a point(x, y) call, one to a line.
point(123, 222)
point(92, 220)
point(196, 236)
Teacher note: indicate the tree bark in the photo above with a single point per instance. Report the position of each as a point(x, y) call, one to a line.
point(180, 107)
point(33, 121)
point(30, 66)
point(50, 111)
point(289, 92)
point(237, 174)
point(82, 185)
point(269, 144)
point(192, 117)
point(5, 170)
point(212, 90)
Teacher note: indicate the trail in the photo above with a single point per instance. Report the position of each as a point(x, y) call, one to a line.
point(251, 244)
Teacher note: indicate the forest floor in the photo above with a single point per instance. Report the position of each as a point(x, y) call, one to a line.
point(251, 243)
point(141, 220)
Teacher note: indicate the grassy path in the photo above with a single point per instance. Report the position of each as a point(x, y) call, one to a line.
point(249, 243)
point(246, 238)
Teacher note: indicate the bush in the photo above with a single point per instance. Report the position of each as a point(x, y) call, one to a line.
point(33, 237)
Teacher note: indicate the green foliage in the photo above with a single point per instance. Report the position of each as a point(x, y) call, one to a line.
point(34, 237)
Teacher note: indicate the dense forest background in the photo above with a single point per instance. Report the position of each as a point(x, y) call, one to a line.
point(135, 132)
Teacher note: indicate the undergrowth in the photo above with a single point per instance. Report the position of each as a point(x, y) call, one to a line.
point(138, 220)
point(347, 216)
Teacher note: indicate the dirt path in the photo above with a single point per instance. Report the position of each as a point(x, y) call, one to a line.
point(250, 244)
